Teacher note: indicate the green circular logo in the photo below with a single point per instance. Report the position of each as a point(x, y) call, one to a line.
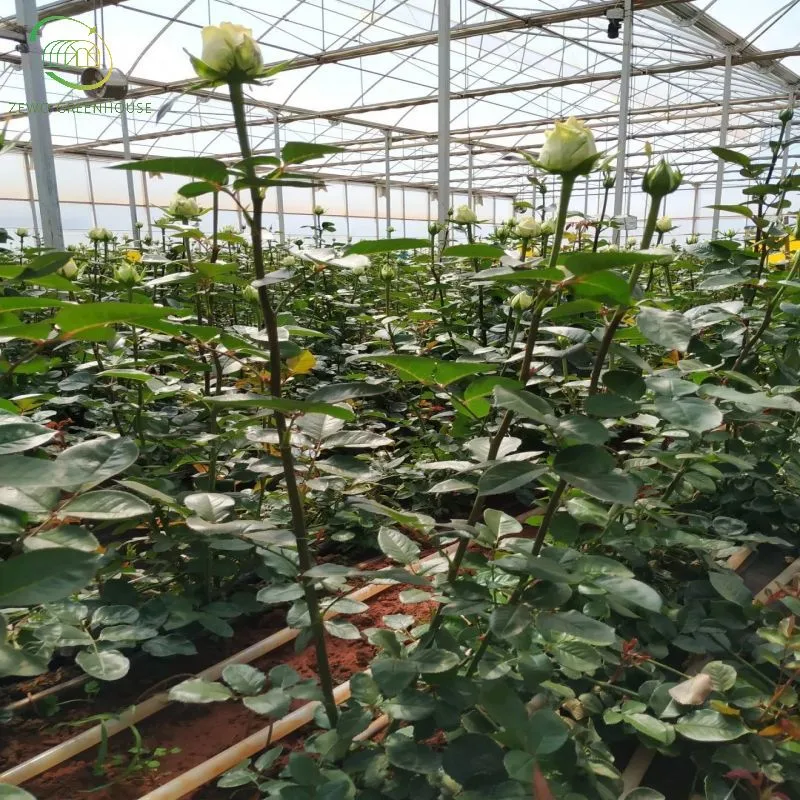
point(85, 53)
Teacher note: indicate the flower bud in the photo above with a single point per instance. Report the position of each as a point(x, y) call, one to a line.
point(288, 261)
point(127, 275)
point(250, 293)
point(100, 235)
point(692, 238)
point(664, 224)
point(318, 211)
point(387, 273)
point(521, 301)
point(548, 227)
point(435, 228)
point(22, 232)
point(69, 270)
point(786, 115)
point(569, 149)
point(464, 215)
point(229, 53)
point(662, 179)
point(609, 179)
point(357, 270)
point(529, 227)
point(183, 207)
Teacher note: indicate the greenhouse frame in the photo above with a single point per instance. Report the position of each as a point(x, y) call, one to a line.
point(430, 102)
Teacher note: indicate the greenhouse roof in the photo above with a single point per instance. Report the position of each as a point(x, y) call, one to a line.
point(362, 73)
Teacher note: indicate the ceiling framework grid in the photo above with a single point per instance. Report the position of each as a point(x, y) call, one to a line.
point(364, 75)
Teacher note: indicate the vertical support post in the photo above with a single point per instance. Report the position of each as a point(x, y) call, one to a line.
point(624, 109)
point(32, 199)
point(377, 216)
point(586, 196)
point(403, 209)
point(628, 200)
point(126, 149)
point(695, 207)
point(388, 187)
point(279, 193)
point(470, 169)
point(91, 191)
point(39, 121)
point(787, 138)
point(146, 197)
point(346, 212)
point(444, 113)
point(723, 141)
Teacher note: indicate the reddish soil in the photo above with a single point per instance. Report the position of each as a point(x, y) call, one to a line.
point(199, 731)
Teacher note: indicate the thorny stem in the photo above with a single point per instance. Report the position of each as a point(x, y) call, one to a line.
point(505, 423)
point(305, 560)
point(600, 221)
point(619, 315)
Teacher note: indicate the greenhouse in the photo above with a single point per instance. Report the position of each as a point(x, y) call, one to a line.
point(400, 400)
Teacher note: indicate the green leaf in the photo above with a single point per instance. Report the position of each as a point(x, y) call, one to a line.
point(582, 461)
point(609, 405)
point(633, 592)
point(669, 329)
point(602, 285)
point(298, 152)
point(197, 690)
point(368, 248)
point(45, 264)
point(357, 439)
point(431, 371)
point(546, 733)
point(743, 211)
point(477, 250)
point(168, 646)
point(723, 676)
point(283, 404)
point(18, 434)
point(74, 321)
point(207, 169)
point(506, 476)
point(244, 679)
point(405, 753)
point(509, 620)
point(526, 404)
point(63, 536)
point(397, 546)
point(105, 504)
point(338, 392)
point(585, 263)
point(393, 674)
point(730, 586)
point(628, 384)
point(197, 189)
point(410, 705)
point(127, 633)
point(44, 576)
point(126, 375)
point(432, 660)
point(572, 308)
point(642, 793)
point(273, 595)
point(577, 626)
point(24, 303)
point(473, 759)
point(706, 725)
point(210, 506)
point(89, 463)
point(690, 413)
point(584, 430)
point(747, 400)
point(274, 703)
point(105, 665)
point(733, 156)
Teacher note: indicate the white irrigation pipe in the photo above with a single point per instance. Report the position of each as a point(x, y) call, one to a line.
point(206, 772)
point(72, 747)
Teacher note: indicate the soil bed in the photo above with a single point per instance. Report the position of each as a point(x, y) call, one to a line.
point(199, 731)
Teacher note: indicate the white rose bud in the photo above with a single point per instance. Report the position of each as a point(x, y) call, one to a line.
point(100, 235)
point(548, 227)
point(387, 273)
point(521, 301)
point(288, 261)
point(229, 52)
point(464, 215)
point(127, 275)
point(69, 270)
point(569, 149)
point(529, 227)
point(318, 211)
point(183, 207)
point(22, 232)
point(250, 293)
point(664, 224)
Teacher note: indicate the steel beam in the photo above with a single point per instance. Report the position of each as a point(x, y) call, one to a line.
point(723, 140)
point(126, 151)
point(41, 138)
point(443, 99)
point(388, 186)
point(624, 109)
point(276, 133)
